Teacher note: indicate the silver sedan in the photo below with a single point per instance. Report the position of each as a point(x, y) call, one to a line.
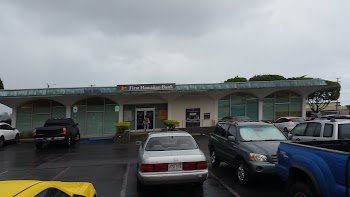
point(171, 158)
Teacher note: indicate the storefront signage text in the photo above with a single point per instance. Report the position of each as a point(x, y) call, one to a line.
point(147, 87)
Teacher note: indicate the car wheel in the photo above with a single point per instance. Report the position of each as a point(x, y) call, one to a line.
point(17, 139)
point(242, 172)
point(215, 162)
point(2, 141)
point(301, 189)
point(39, 145)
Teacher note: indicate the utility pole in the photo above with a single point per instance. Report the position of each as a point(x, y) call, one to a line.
point(48, 85)
point(92, 88)
point(337, 104)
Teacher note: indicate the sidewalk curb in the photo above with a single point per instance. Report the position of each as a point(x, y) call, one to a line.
point(31, 140)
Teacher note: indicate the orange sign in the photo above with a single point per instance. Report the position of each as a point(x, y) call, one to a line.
point(163, 114)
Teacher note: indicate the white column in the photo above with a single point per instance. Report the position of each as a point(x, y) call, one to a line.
point(14, 117)
point(68, 111)
point(215, 115)
point(303, 106)
point(169, 110)
point(261, 109)
point(121, 113)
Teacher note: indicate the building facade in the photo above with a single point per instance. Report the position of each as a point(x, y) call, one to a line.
point(98, 109)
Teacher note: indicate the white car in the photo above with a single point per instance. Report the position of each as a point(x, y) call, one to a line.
point(7, 133)
point(286, 124)
point(171, 158)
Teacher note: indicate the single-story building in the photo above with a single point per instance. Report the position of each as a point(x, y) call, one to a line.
point(97, 109)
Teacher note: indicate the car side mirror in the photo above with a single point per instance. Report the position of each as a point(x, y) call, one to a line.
point(231, 138)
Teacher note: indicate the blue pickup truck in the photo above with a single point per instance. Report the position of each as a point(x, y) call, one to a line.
point(315, 168)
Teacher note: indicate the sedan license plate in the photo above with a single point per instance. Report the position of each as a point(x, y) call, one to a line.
point(174, 166)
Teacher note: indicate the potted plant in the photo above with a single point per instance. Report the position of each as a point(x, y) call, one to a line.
point(122, 133)
point(171, 124)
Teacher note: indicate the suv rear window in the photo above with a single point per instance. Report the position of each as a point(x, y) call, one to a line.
point(50, 123)
point(344, 131)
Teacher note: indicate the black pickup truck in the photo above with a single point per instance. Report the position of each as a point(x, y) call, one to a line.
point(63, 130)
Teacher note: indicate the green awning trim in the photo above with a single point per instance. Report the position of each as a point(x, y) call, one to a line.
point(179, 88)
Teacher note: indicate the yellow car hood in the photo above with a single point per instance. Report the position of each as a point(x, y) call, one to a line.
point(72, 187)
point(11, 188)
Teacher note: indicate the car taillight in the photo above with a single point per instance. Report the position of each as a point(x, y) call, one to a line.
point(202, 165)
point(64, 132)
point(189, 166)
point(194, 165)
point(163, 167)
point(146, 168)
point(34, 133)
point(290, 120)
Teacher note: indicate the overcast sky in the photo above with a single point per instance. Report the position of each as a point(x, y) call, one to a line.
point(83, 42)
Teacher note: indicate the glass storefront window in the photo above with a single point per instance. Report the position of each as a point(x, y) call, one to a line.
point(282, 104)
point(224, 108)
point(238, 110)
point(282, 97)
point(251, 108)
point(236, 100)
point(238, 104)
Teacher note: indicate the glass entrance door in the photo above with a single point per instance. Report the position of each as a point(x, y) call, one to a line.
point(149, 115)
point(140, 115)
point(145, 115)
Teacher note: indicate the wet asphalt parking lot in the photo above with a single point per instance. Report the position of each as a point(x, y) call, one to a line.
point(112, 169)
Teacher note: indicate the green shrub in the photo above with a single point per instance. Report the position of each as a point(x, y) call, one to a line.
point(171, 124)
point(122, 127)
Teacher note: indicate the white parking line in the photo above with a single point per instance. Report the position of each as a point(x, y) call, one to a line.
point(125, 181)
point(63, 171)
point(225, 185)
point(3, 172)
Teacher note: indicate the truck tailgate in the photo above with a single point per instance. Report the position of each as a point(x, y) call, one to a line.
point(49, 131)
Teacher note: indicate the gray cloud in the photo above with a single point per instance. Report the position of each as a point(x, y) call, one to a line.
point(132, 17)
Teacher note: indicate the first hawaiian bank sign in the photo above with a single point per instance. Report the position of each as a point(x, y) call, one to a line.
point(147, 87)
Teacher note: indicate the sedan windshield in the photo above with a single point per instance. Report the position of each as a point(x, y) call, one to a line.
point(261, 133)
point(171, 143)
point(298, 120)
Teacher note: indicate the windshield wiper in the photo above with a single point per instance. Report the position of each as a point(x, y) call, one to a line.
point(157, 150)
point(273, 140)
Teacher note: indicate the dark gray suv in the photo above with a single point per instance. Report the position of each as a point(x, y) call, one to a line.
point(250, 147)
